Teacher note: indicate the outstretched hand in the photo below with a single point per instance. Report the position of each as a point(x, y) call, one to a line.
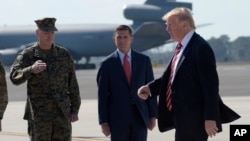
point(144, 92)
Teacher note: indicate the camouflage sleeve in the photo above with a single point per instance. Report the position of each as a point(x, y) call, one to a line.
point(3, 91)
point(74, 93)
point(20, 71)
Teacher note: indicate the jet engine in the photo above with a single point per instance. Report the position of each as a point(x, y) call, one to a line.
point(151, 10)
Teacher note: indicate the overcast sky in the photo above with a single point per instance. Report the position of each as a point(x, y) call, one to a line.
point(230, 17)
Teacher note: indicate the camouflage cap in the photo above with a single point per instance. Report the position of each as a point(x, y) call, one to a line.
point(46, 24)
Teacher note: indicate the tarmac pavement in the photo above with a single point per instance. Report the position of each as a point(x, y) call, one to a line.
point(87, 129)
point(234, 88)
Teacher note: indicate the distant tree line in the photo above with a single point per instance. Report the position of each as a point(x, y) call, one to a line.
point(231, 51)
point(224, 50)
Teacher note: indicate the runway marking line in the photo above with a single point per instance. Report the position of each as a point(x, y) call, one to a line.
point(26, 135)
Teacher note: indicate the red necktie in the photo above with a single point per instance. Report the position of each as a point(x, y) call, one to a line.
point(126, 67)
point(168, 93)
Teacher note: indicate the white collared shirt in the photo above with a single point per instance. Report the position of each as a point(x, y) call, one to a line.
point(121, 56)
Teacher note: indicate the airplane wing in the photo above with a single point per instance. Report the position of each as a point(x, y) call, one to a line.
point(151, 29)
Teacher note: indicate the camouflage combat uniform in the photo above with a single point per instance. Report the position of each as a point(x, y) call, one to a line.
point(28, 116)
point(3, 93)
point(53, 94)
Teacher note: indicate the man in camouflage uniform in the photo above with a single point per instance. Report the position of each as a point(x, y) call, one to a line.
point(52, 87)
point(3, 94)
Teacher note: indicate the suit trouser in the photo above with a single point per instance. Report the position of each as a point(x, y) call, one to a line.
point(185, 136)
point(135, 131)
point(195, 132)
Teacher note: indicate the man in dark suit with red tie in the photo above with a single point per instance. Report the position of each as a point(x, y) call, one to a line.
point(188, 90)
point(122, 114)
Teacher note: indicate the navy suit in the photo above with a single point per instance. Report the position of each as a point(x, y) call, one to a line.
point(118, 102)
point(195, 94)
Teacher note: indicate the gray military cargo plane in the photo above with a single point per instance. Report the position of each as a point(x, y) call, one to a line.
point(93, 40)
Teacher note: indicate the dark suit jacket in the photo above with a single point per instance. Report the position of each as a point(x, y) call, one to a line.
point(115, 95)
point(195, 90)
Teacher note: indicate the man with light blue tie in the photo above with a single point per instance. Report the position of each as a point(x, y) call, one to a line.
point(122, 114)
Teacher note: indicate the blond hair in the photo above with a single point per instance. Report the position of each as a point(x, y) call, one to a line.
point(183, 14)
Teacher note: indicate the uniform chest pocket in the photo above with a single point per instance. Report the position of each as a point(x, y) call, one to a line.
point(57, 66)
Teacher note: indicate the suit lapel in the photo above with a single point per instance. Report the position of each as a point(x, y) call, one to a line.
point(133, 65)
point(185, 53)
